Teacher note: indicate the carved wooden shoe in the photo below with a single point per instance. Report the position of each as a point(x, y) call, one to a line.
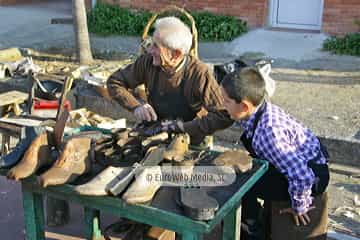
point(37, 155)
point(122, 137)
point(97, 186)
point(177, 148)
point(152, 158)
point(155, 140)
point(238, 159)
point(143, 189)
point(74, 161)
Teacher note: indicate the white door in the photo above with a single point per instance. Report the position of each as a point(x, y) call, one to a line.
point(300, 14)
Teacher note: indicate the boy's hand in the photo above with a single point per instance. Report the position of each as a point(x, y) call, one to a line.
point(298, 218)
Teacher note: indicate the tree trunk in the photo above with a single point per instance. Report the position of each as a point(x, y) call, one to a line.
point(83, 50)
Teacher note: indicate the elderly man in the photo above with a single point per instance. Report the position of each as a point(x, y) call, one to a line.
point(178, 86)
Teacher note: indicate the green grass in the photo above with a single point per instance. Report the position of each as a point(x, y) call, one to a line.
point(347, 45)
point(107, 20)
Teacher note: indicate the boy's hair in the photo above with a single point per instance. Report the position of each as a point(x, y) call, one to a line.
point(247, 83)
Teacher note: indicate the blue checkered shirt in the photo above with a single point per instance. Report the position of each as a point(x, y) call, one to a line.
point(288, 145)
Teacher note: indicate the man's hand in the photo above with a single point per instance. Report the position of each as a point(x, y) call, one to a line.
point(173, 126)
point(304, 219)
point(145, 112)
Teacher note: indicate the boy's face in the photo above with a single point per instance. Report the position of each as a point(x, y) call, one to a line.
point(237, 111)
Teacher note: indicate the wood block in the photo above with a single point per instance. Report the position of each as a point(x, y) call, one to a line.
point(240, 160)
point(19, 121)
point(12, 97)
point(156, 233)
point(10, 54)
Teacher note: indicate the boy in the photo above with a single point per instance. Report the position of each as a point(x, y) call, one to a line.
point(298, 172)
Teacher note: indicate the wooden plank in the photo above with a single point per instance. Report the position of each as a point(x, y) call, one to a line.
point(21, 121)
point(231, 227)
point(12, 97)
point(10, 130)
point(33, 214)
point(92, 223)
point(10, 54)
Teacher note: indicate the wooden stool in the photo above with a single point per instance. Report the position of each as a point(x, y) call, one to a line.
point(283, 226)
point(10, 101)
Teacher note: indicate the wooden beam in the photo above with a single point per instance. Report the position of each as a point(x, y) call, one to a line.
point(12, 97)
point(10, 54)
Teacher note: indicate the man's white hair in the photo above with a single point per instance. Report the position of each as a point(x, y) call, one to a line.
point(175, 35)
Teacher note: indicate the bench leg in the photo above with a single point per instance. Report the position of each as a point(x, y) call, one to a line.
point(92, 223)
point(34, 215)
point(191, 236)
point(5, 144)
point(16, 109)
point(231, 226)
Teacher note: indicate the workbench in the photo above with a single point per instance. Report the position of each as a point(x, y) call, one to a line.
point(9, 102)
point(164, 211)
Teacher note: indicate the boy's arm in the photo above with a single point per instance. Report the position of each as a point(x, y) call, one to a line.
point(207, 91)
point(276, 147)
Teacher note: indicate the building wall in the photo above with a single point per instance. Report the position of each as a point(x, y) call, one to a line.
point(253, 11)
point(88, 3)
point(13, 2)
point(339, 16)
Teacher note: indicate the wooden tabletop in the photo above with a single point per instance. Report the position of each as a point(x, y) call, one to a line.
point(12, 97)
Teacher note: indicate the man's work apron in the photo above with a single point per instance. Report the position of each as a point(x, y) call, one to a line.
point(171, 105)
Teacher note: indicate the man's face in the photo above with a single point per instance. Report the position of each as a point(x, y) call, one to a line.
point(154, 49)
point(237, 111)
point(157, 50)
point(163, 56)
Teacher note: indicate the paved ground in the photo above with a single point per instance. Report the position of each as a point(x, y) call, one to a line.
point(30, 27)
point(327, 107)
point(12, 223)
point(326, 101)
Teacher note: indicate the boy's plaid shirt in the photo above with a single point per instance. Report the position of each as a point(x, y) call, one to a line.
point(289, 146)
